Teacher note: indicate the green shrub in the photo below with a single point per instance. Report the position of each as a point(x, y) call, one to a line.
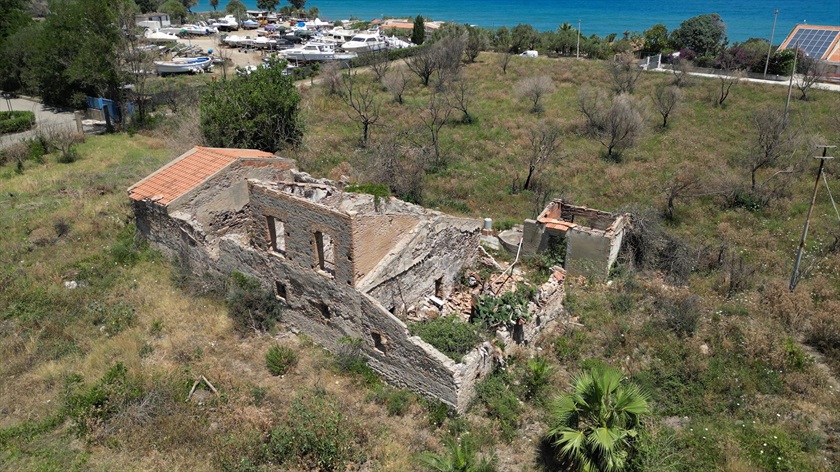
point(396, 400)
point(448, 335)
point(16, 121)
point(682, 314)
point(129, 247)
point(316, 436)
point(112, 319)
point(90, 407)
point(536, 377)
point(251, 306)
point(349, 359)
point(280, 359)
point(495, 393)
point(567, 348)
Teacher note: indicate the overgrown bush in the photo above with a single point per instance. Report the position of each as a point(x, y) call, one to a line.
point(680, 313)
point(280, 359)
point(448, 335)
point(567, 348)
point(316, 436)
point(396, 400)
point(251, 306)
point(16, 121)
point(510, 308)
point(536, 377)
point(89, 407)
point(497, 396)
point(349, 359)
point(112, 318)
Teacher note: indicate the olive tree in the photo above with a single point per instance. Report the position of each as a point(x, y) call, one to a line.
point(533, 89)
point(665, 100)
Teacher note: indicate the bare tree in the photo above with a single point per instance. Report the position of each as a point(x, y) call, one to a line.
point(681, 70)
point(433, 117)
point(424, 63)
point(727, 79)
point(460, 97)
point(624, 72)
point(361, 98)
point(396, 83)
point(378, 62)
point(450, 55)
point(332, 78)
point(544, 149)
point(666, 99)
point(504, 59)
point(811, 69)
point(593, 104)
point(399, 165)
point(620, 126)
point(534, 88)
point(775, 139)
point(682, 185)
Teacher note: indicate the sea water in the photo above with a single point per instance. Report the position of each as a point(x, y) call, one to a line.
point(744, 18)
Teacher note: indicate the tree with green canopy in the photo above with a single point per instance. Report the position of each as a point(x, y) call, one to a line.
point(269, 5)
point(297, 4)
point(418, 32)
point(176, 10)
point(656, 39)
point(594, 427)
point(703, 34)
point(236, 8)
point(214, 4)
point(256, 111)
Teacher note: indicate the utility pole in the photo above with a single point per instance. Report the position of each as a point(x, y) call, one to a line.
point(577, 55)
point(794, 278)
point(790, 85)
point(770, 49)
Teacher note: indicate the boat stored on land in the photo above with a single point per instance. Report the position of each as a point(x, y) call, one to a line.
point(183, 65)
point(156, 36)
point(365, 42)
point(315, 51)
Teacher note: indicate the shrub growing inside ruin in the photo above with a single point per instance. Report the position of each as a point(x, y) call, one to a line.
point(448, 335)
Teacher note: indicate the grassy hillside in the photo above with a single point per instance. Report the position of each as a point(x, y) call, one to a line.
point(742, 373)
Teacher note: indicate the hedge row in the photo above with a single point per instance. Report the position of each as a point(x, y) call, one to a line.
point(16, 121)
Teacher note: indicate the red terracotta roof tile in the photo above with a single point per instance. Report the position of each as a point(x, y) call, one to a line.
point(187, 172)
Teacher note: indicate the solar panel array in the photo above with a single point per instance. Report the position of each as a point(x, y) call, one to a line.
point(813, 41)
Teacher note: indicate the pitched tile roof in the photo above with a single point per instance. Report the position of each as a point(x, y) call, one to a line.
point(187, 172)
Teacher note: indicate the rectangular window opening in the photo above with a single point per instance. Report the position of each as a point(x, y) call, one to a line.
point(280, 290)
point(379, 342)
point(326, 252)
point(276, 235)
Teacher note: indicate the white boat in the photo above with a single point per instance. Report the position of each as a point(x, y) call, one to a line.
point(338, 35)
point(250, 24)
point(397, 43)
point(365, 42)
point(263, 42)
point(228, 23)
point(199, 29)
point(236, 41)
point(315, 51)
point(184, 65)
point(157, 36)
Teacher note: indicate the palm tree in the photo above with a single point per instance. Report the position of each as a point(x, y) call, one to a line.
point(594, 426)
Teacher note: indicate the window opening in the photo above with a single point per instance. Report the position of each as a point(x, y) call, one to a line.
point(276, 235)
point(379, 342)
point(326, 252)
point(280, 290)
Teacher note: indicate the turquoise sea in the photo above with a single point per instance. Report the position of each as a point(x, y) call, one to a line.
point(744, 18)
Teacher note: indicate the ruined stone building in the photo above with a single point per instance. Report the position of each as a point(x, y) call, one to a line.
point(343, 264)
point(591, 238)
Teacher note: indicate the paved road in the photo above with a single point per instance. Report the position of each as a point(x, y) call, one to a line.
point(45, 117)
